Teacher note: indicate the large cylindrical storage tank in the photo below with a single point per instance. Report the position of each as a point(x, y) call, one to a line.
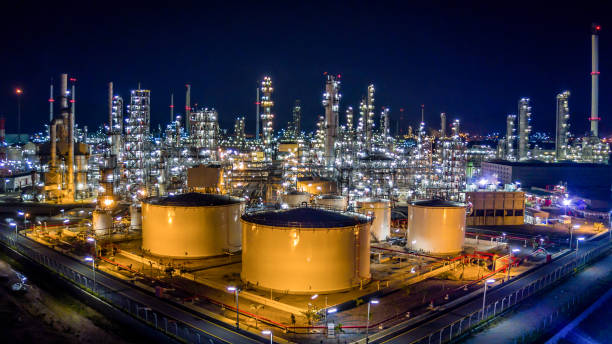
point(135, 217)
point(381, 210)
point(436, 226)
point(191, 225)
point(102, 221)
point(334, 202)
point(305, 250)
point(296, 199)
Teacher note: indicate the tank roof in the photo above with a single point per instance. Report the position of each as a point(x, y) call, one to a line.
point(305, 218)
point(295, 192)
point(328, 196)
point(193, 199)
point(372, 200)
point(437, 203)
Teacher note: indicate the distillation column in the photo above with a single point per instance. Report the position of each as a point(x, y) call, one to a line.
point(562, 132)
point(331, 101)
point(267, 117)
point(594, 119)
point(524, 127)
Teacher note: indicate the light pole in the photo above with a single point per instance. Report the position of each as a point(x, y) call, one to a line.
point(371, 302)
point(515, 250)
point(484, 295)
point(268, 333)
point(13, 224)
point(93, 268)
point(578, 240)
point(236, 291)
point(91, 239)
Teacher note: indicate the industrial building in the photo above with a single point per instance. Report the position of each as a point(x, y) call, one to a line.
point(305, 250)
point(495, 208)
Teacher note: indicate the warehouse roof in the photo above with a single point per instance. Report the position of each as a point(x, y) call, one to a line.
point(437, 203)
point(193, 199)
point(305, 218)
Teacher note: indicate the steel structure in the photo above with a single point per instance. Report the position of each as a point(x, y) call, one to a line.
point(267, 117)
point(137, 145)
point(562, 127)
point(524, 108)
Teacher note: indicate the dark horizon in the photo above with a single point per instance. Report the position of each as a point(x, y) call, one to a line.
point(473, 62)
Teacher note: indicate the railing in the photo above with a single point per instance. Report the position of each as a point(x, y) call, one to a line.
point(154, 318)
point(464, 324)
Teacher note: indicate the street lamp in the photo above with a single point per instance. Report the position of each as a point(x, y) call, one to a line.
point(268, 333)
point(93, 268)
point(514, 251)
point(372, 302)
point(578, 240)
point(91, 239)
point(484, 296)
point(13, 224)
point(236, 291)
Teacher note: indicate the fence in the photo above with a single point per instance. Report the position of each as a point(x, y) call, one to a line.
point(463, 324)
point(159, 321)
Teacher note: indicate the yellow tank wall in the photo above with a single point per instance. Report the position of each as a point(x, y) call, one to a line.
point(102, 221)
point(332, 203)
point(381, 226)
point(439, 230)
point(300, 260)
point(190, 231)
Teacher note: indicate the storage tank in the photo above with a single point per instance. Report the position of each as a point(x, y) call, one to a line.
point(380, 209)
point(191, 225)
point(135, 217)
point(334, 202)
point(296, 199)
point(102, 221)
point(436, 226)
point(317, 185)
point(305, 250)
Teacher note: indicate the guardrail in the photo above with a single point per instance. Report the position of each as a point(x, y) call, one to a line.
point(496, 306)
point(154, 318)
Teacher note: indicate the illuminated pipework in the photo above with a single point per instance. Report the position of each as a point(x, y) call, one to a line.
point(524, 128)
point(349, 119)
point(331, 101)
point(510, 137)
point(455, 128)
point(137, 144)
point(205, 134)
point(562, 132)
point(297, 118)
point(369, 118)
point(267, 117)
point(239, 135)
point(384, 123)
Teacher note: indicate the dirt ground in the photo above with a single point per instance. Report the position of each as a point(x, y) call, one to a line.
point(49, 315)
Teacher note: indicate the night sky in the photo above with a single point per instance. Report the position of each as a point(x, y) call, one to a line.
point(473, 62)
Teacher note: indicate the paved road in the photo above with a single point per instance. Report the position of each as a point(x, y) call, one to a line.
point(447, 317)
point(213, 332)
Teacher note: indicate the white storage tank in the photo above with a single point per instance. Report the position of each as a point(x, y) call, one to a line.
point(305, 250)
point(334, 202)
point(135, 217)
point(191, 225)
point(102, 222)
point(380, 209)
point(436, 226)
point(296, 199)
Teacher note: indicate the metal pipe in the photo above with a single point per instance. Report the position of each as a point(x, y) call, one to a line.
point(257, 102)
point(171, 107)
point(442, 125)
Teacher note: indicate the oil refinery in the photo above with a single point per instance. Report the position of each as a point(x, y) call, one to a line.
point(293, 232)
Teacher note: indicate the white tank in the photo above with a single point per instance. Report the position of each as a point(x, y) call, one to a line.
point(102, 222)
point(135, 217)
point(334, 202)
point(191, 225)
point(380, 209)
point(305, 250)
point(436, 226)
point(296, 199)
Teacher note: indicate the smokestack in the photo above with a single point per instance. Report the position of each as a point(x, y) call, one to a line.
point(2, 131)
point(257, 102)
point(188, 109)
point(442, 124)
point(594, 119)
point(73, 103)
point(422, 113)
point(110, 107)
point(171, 107)
point(51, 100)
